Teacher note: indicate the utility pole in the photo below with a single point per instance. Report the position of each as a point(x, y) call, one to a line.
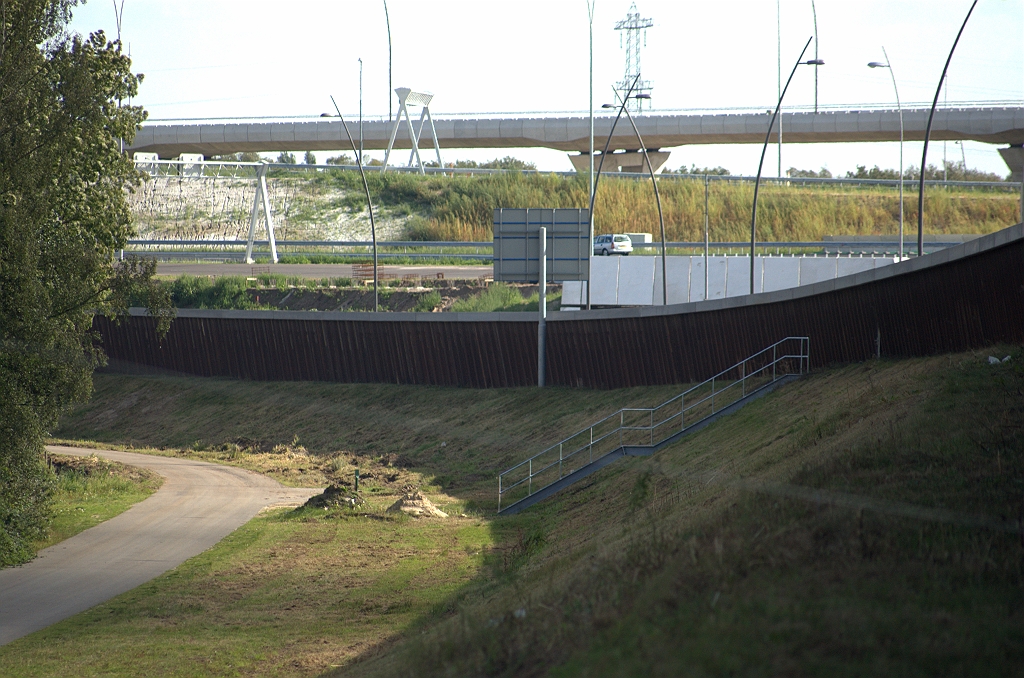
point(360, 110)
point(778, 51)
point(387, 19)
point(590, 248)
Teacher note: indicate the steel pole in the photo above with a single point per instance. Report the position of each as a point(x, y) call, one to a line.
point(360, 109)
point(542, 306)
point(387, 20)
point(597, 175)
point(928, 132)
point(899, 107)
point(657, 198)
point(369, 205)
point(760, 165)
point(706, 242)
point(590, 250)
point(814, 14)
point(778, 66)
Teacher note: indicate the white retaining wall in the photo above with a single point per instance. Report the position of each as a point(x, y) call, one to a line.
point(637, 281)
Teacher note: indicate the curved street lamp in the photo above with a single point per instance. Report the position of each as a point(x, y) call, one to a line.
point(366, 189)
point(657, 196)
point(928, 133)
point(597, 178)
point(760, 166)
point(888, 64)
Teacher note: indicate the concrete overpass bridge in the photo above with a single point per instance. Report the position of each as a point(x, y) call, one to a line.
point(988, 124)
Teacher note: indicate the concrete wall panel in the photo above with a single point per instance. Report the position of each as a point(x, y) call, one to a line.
point(717, 268)
point(813, 270)
point(636, 281)
point(851, 265)
point(605, 281)
point(258, 133)
point(284, 133)
point(213, 134)
point(696, 279)
point(781, 273)
point(572, 293)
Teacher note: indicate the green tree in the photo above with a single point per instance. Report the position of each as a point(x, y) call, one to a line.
point(285, 158)
point(309, 158)
point(508, 163)
point(63, 217)
point(343, 159)
point(809, 174)
point(714, 171)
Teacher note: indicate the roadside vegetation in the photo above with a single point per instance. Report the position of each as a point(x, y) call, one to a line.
point(328, 204)
point(63, 216)
point(461, 207)
point(280, 292)
point(864, 520)
point(90, 490)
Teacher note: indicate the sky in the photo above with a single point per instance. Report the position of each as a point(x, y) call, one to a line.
point(223, 58)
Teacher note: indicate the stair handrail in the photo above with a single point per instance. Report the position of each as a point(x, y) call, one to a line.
point(803, 362)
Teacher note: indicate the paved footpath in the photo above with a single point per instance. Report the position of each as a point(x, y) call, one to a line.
point(198, 505)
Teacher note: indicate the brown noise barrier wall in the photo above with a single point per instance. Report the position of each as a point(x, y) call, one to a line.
point(967, 296)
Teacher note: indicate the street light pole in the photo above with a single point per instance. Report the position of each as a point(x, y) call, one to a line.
point(360, 109)
point(814, 14)
point(927, 134)
point(705, 238)
point(899, 107)
point(764, 149)
point(597, 175)
point(369, 205)
point(590, 252)
point(387, 20)
point(657, 196)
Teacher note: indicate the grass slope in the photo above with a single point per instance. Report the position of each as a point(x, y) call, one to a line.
point(90, 490)
point(461, 207)
point(852, 523)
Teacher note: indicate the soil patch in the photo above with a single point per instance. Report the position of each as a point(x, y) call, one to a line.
point(416, 505)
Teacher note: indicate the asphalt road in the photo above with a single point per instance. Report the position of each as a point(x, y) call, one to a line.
point(198, 505)
point(324, 270)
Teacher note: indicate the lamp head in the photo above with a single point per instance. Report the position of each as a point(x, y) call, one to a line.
point(326, 115)
point(815, 62)
point(642, 96)
point(607, 105)
point(877, 64)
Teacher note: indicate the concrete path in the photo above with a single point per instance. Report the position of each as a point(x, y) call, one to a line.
point(198, 505)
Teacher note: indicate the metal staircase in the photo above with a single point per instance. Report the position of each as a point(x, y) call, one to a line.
point(638, 432)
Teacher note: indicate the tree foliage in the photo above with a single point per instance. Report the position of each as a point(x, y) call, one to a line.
point(63, 216)
point(713, 171)
point(954, 171)
point(823, 173)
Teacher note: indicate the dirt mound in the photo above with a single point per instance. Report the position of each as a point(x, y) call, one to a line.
point(335, 496)
point(417, 506)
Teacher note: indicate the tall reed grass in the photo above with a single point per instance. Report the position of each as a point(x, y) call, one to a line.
point(461, 207)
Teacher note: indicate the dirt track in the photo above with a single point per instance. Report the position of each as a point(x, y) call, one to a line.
point(198, 505)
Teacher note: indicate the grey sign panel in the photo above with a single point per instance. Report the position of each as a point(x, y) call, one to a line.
point(516, 244)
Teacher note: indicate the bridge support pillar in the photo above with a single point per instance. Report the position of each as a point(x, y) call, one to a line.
point(623, 161)
point(1013, 156)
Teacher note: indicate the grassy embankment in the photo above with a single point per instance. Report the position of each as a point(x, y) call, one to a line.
point(310, 203)
point(860, 521)
point(461, 208)
point(89, 490)
point(276, 291)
